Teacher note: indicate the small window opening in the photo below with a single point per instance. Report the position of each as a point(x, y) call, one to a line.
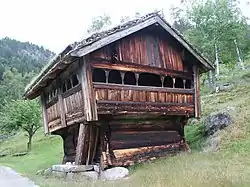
point(179, 83)
point(168, 82)
point(99, 75)
point(115, 77)
point(75, 81)
point(68, 84)
point(188, 84)
point(114, 54)
point(149, 79)
point(129, 78)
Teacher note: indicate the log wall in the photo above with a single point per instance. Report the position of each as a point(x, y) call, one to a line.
point(127, 142)
point(72, 103)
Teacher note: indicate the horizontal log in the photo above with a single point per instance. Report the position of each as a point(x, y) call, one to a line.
point(127, 157)
point(125, 66)
point(52, 102)
point(157, 126)
point(142, 88)
point(122, 140)
point(117, 107)
point(72, 91)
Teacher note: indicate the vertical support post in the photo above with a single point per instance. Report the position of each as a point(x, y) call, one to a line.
point(196, 91)
point(173, 82)
point(162, 81)
point(61, 104)
point(107, 75)
point(122, 76)
point(137, 78)
point(90, 107)
point(80, 144)
point(45, 115)
point(184, 83)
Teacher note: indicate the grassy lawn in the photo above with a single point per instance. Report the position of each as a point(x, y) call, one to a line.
point(228, 167)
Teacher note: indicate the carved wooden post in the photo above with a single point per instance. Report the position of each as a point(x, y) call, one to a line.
point(184, 83)
point(122, 76)
point(137, 78)
point(173, 82)
point(107, 75)
point(162, 81)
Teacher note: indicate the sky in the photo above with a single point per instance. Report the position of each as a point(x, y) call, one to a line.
point(56, 23)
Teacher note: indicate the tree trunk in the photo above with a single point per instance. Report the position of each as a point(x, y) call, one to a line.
point(29, 143)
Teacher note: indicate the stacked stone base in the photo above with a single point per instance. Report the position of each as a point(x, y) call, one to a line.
point(83, 172)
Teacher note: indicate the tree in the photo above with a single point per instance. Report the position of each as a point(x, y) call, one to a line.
point(12, 85)
point(207, 23)
point(98, 23)
point(21, 115)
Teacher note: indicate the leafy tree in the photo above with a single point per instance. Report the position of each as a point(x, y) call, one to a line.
point(98, 23)
point(21, 115)
point(207, 23)
point(13, 84)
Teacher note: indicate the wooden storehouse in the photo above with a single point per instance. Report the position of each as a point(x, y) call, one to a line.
point(122, 96)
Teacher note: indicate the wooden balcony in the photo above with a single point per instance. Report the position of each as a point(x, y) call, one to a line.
point(126, 99)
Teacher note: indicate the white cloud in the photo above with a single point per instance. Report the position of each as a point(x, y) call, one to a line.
point(56, 23)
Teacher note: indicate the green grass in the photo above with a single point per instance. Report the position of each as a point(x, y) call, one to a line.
point(229, 167)
point(45, 152)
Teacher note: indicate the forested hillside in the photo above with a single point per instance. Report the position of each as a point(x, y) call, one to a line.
point(19, 62)
point(23, 56)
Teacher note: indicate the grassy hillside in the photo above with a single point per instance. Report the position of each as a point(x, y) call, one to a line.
point(230, 166)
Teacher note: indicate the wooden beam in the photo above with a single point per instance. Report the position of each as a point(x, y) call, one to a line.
point(142, 88)
point(80, 144)
point(45, 115)
point(61, 104)
point(127, 66)
point(90, 107)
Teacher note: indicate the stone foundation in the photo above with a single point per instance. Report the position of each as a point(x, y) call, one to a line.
point(83, 172)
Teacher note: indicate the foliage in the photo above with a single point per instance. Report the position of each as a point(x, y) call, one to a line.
point(23, 56)
point(207, 22)
point(99, 22)
point(195, 135)
point(21, 115)
point(12, 85)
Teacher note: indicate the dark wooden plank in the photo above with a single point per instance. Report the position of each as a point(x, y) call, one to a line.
point(128, 66)
point(116, 108)
point(72, 91)
point(120, 140)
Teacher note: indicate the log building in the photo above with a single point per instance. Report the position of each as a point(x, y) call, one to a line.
point(122, 96)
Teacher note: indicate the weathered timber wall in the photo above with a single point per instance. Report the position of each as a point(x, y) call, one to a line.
point(72, 103)
point(124, 99)
point(127, 142)
point(144, 49)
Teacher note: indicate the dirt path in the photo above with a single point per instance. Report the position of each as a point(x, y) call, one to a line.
point(9, 178)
